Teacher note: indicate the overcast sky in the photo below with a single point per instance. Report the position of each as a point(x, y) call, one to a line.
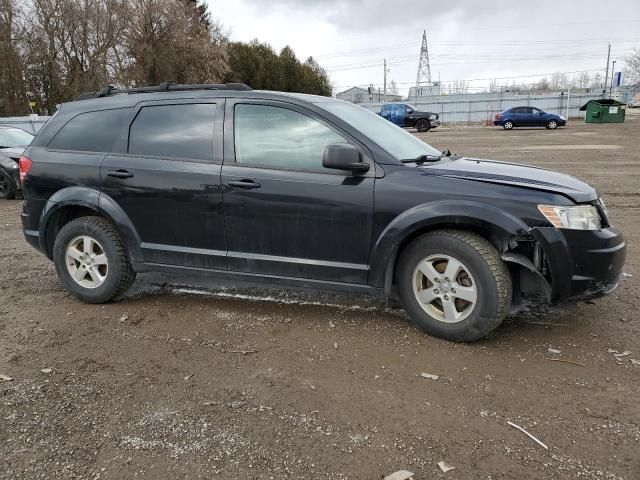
point(472, 39)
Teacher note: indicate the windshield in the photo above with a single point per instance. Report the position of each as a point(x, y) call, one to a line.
point(14, 137)
point(396, 141)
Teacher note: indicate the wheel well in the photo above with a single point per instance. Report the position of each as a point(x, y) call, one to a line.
point(501, 242)
point(59, 219)
point(525, 282)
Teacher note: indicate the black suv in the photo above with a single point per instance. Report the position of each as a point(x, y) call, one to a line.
point(302, 190)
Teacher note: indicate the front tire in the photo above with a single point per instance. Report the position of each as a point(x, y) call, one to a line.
point(423, 126)
point(7, 186)
point(91, 261)
point(508, 125)
point(552, 125)
point(454, 285)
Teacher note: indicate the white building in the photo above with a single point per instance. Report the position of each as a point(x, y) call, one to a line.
point(362, 95)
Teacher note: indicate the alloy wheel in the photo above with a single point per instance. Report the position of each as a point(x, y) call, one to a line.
point(445, 288)
point(86, 262)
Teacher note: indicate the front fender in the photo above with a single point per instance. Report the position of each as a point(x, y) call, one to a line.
point(94, 200)
point(498, 224)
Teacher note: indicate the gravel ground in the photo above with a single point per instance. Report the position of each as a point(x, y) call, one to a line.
point(246, 384)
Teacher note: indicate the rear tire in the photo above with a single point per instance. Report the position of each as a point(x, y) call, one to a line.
point(508, 125)
point(91, 261)
point(423, 126)
point(466, 292)
point(7, 186)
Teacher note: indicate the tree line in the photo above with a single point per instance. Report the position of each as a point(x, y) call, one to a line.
point(53, 50)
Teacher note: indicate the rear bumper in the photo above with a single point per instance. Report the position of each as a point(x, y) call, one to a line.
point(30, 217)
point(584, 264)
point(498, 123)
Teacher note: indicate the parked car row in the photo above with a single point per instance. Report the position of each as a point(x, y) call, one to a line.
point(13, 141)
point(407, 116)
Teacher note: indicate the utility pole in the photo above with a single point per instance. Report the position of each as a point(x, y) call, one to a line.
point(385, 80)
point(606, 75)
point(613, 74)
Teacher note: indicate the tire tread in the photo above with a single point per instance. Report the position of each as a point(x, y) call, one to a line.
point(128, 274)
point(495, 264)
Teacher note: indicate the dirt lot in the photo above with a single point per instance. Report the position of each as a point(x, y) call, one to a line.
point(240, 385)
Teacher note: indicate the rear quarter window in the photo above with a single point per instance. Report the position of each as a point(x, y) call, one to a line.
point(91, 132)
point(174, 131)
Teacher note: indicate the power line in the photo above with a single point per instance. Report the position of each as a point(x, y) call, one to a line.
point(506, 43)
point(513, 77)
point(521, 26)
point(400, 60)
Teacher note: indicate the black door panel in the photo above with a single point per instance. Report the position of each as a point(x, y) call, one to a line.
point(175, 203)
point(299, 224)
point(312, 224)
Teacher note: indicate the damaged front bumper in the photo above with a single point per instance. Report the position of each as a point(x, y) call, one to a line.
point(583, 264)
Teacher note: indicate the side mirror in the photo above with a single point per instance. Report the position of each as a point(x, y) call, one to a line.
point(409, 111)
point(342, 156)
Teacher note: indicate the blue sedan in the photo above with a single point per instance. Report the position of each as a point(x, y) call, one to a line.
point(528, 117)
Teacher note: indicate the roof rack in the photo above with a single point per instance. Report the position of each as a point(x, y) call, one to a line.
point(110, 90)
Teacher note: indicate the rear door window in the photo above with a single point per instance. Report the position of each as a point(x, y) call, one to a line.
point(91, 131)
point(174, 131)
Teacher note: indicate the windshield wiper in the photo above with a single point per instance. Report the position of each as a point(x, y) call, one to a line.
point(423, 158)
point(431, 158)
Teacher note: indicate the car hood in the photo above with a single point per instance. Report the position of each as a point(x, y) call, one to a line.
point(13, 152)
point(516, 175)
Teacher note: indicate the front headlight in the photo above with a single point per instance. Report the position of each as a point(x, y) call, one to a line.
point(578, 217)
point(562, 118)
point(432, 117)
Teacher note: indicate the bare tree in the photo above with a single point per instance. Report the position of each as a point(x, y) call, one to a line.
point(393, 88)
point(170, 40)
point(543, 85)
point(632, 63)
point(459, 86)
point(559, 81)
point(13, 99)
point(582, 80)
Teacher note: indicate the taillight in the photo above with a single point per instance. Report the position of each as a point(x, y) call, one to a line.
point(25, 166)
point(498, 116)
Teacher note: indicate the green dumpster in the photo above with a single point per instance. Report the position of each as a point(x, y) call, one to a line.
point(605, 110)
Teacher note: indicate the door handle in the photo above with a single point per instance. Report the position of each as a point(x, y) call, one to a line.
point(245, 184)
point(119, 174)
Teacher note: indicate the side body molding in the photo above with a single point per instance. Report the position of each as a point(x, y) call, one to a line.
point(102, 204)
point(501, 226)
